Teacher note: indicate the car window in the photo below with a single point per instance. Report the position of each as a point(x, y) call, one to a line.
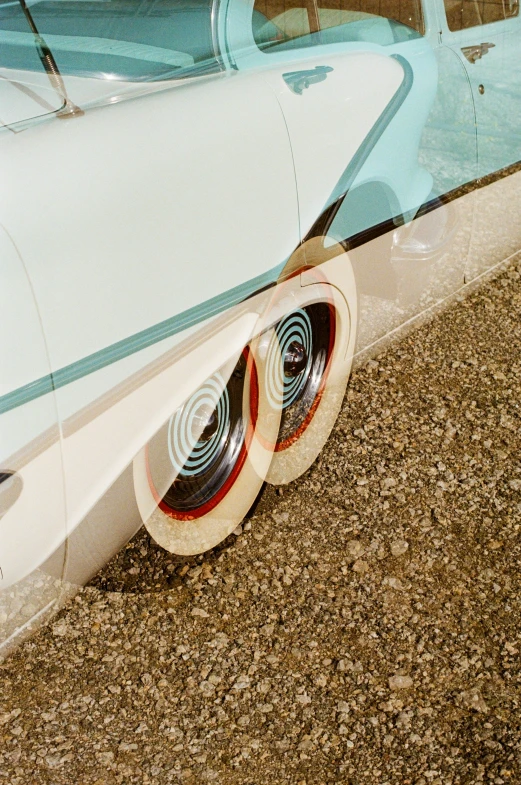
point(131, 40)
point(289, 24)
point(462, 14)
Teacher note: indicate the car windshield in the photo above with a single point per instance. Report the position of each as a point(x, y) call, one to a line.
point(131, 40)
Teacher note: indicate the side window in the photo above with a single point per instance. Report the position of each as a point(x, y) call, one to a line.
point(291, 24)
point(130, 40)
point(462, 14)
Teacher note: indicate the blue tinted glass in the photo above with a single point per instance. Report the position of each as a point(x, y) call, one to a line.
point(120, 39)
point(293, 24)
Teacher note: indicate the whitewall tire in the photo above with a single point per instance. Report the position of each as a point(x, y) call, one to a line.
point(319, 331)
point(199, 475)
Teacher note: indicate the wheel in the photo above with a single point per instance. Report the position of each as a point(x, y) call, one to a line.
point(310, 364)
point(201, 472)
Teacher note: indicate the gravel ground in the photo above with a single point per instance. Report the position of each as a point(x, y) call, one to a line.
point(363, 627)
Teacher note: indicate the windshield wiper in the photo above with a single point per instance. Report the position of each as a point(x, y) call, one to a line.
point(69, 109)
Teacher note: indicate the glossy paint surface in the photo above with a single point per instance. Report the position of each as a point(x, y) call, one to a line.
point(254, 163)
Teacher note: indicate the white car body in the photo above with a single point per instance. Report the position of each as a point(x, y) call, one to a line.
point(142, 240)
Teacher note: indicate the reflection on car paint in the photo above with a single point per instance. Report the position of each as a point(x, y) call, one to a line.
point(248, 198)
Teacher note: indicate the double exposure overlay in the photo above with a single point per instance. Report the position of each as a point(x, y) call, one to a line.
point(208, 211)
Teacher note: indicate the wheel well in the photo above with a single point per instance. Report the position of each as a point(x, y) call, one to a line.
point(366, 218)
point(365, 207)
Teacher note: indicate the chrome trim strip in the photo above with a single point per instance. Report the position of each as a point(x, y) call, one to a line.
point(92, 410)
point(214, 17)
point(135, 343)
point(44, 441)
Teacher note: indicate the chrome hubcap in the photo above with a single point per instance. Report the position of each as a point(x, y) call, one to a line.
point(295, 360)
point(192, 458)
point(205, 424)
point(304, 338)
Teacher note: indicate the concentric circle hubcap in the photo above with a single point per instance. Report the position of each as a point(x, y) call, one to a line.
point(193, 459)
point(305, 339)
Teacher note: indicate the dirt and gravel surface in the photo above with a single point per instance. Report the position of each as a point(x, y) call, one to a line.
point(363, 628)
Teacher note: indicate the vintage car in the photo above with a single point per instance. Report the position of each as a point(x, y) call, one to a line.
point(208, 210)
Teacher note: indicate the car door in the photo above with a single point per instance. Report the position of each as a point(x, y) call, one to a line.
point(32, 511)
point(333, 78)
point(357, 88)
point(485, 36)
point(160, 213)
